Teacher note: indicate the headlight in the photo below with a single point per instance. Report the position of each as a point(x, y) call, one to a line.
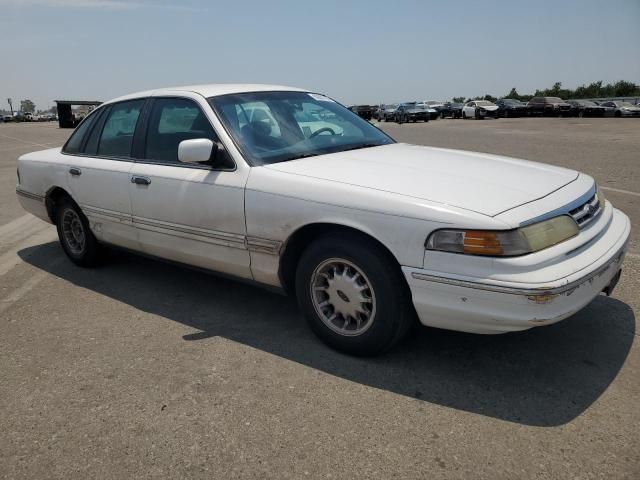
point(496, 243)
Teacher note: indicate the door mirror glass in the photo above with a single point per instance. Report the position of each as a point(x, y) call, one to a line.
point(196, 150)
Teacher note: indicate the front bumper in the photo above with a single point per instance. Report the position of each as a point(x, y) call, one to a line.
point(470, 305)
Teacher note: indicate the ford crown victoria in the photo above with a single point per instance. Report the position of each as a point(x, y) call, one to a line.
point(289, 189)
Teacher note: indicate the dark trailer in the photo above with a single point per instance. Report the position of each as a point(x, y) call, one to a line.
point(65, 115)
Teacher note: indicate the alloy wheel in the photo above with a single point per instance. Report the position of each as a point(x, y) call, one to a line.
point(343, 297)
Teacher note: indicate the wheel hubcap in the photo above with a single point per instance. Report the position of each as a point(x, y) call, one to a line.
point(343, 297)
point(73, 231)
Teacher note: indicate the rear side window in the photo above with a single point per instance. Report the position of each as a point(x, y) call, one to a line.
point(118, 130)
point(74, 143)
point(173, 120)
point(91, 144)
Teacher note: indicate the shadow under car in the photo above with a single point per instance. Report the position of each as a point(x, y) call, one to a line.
point(543, 377)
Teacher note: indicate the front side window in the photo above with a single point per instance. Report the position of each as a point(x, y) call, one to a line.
point(271, 127)
point(74, 144)
point(173, 120)
point(118, 130)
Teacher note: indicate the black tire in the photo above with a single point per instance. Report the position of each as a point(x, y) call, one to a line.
point(392, 317)
point(618, 114)
point(464, 115)
point(477, 115)
point(89, 253)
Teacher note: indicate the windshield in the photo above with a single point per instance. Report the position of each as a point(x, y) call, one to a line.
point(625, 104)
point(271, 127)
point(483, 103)
point(554, 100)
point(511, 101)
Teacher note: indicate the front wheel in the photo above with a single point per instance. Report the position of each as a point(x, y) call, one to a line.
point(76, 238)
point(353, 294)
point(464, 116)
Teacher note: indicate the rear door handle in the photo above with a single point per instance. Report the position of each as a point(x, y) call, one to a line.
point(140, 180)
point(75, 171)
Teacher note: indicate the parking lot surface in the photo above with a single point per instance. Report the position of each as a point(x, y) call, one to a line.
point(141, 369)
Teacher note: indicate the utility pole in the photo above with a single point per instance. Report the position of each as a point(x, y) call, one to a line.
point(10, 105)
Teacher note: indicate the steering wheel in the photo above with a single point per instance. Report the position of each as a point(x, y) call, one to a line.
point(322, 130)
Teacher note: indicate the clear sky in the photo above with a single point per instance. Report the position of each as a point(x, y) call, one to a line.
point(359, 51)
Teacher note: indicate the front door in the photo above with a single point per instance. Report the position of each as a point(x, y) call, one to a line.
point(192, 214)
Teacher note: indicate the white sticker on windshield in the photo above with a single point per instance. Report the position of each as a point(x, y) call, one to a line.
point(320, 98)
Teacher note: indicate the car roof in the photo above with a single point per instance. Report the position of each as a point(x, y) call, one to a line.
point(210, 90)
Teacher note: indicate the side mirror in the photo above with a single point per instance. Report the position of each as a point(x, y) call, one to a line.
point(197, 150)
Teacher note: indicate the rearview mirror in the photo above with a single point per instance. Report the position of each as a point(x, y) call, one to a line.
point(196, 150)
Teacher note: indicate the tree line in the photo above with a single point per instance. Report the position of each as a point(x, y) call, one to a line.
point(621, 88)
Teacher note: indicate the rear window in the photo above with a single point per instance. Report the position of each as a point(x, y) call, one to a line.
point(74, 144)
point(117, 134)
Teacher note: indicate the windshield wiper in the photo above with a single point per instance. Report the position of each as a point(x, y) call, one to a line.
point(364, 145)
point(296, 157)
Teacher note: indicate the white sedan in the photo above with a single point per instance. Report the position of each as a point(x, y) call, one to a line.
point(367, 233)
point(480, 109)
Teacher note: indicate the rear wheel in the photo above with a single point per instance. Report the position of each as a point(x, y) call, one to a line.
point(353, 295)
point(76, 238)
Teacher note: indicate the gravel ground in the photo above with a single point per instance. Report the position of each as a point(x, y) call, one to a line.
point(145, 370)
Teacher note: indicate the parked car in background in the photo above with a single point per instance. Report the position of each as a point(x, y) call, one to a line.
point(550, 106)
point(7, 118)
point(435, 104)
point(586, 108)
point(620, 109)
point(434, 113)
point(363, 111)
point(411, 112)
point(452, 110)
point(480, 109)
point(461, 240)
point(511, 107)
point(387, 112)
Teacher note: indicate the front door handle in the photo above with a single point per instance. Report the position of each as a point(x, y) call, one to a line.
point(140, 180)
point(75, 171)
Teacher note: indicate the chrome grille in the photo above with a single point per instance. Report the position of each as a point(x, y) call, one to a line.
point(587, 211)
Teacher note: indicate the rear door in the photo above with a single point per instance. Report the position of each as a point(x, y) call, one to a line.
point(189, 213)
point(98, 173)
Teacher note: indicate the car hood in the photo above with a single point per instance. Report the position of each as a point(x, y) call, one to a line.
point(489, 108)
point(478, 182)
